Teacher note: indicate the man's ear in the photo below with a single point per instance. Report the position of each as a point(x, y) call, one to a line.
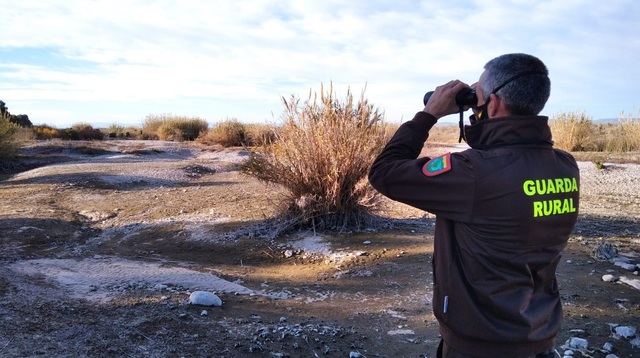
point(496, 107)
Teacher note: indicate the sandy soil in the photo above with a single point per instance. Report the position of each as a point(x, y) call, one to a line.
point(102, 243)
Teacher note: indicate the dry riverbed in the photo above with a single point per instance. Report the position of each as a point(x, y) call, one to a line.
point(101, 245)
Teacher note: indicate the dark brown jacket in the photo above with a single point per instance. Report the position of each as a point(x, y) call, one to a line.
point(504, 211)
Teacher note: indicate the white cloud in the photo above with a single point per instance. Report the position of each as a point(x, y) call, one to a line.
point(256, 51)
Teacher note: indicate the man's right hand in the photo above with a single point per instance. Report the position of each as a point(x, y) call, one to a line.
point(443, 99)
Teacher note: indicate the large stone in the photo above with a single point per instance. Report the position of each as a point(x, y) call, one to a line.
point(204, 298)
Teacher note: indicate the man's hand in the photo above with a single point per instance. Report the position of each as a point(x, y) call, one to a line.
point(443, 99)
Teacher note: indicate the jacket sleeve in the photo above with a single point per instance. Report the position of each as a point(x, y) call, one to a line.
point(398, 174)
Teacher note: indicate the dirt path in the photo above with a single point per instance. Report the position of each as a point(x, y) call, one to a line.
point(101, 247)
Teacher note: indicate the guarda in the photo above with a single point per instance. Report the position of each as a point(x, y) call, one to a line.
point(551, 186)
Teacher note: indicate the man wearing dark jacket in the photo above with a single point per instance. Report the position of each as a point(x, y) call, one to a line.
point(504, 211)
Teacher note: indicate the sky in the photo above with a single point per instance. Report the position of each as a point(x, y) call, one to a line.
point(107, 62)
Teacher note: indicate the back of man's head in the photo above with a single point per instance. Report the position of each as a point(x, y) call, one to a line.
point(525, 81)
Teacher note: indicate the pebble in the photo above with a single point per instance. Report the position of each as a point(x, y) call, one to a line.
point(607, 347)
point(204, 313)
point(577, 343)
point(609, 278)
point(355, 355)
point(203, 298)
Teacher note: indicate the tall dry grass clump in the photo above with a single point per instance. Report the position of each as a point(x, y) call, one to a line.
point(259, 134)
point(321, 155)
point(174, 128)
point(227, 133)
point(572, 131)
point(627, 135)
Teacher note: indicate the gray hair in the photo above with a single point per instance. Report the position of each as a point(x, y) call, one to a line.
point(524, 79)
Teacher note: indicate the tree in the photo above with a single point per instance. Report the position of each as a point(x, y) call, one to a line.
point(21, 119)
point(4, 110)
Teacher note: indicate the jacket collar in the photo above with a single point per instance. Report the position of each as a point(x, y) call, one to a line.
point(512, 130)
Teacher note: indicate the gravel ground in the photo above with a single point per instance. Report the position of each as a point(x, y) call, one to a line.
point(102, 243)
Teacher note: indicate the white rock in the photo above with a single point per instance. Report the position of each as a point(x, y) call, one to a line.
point(635, 343)
point(368, 242)
point(204, 313)
point(577, 343)
point(568, 352)
point(611, 356)
point(609, 278)
point(625, 332)
point(607, 347)
point(203, 298)
point(355, 355)
point(160, 286)
point(633, 282)
point(401, 332)
point(626, 266)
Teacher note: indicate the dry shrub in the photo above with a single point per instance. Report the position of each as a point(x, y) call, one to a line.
point(321, 155)
point(627, 136)
point(85, 131)
point(170, 127)
point(573, 131)
point(168, 131)
point(260, 134)
point(44, 132)
point(227, 133)
point(444, 133)
point(24, 134)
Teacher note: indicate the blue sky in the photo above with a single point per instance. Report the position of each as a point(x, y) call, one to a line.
point(117, 61)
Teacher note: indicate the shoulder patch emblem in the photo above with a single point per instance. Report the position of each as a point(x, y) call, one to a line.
point(437, 165)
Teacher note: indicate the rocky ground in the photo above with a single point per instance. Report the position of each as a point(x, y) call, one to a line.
point(101, 245)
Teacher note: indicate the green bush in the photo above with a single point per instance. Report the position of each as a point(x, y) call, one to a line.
point(321, 155)
point(8, 144)
point(115, 131)
point(85, 131)
point(81, 131)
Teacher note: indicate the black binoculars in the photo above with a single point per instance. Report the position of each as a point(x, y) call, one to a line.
point(465, 98)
